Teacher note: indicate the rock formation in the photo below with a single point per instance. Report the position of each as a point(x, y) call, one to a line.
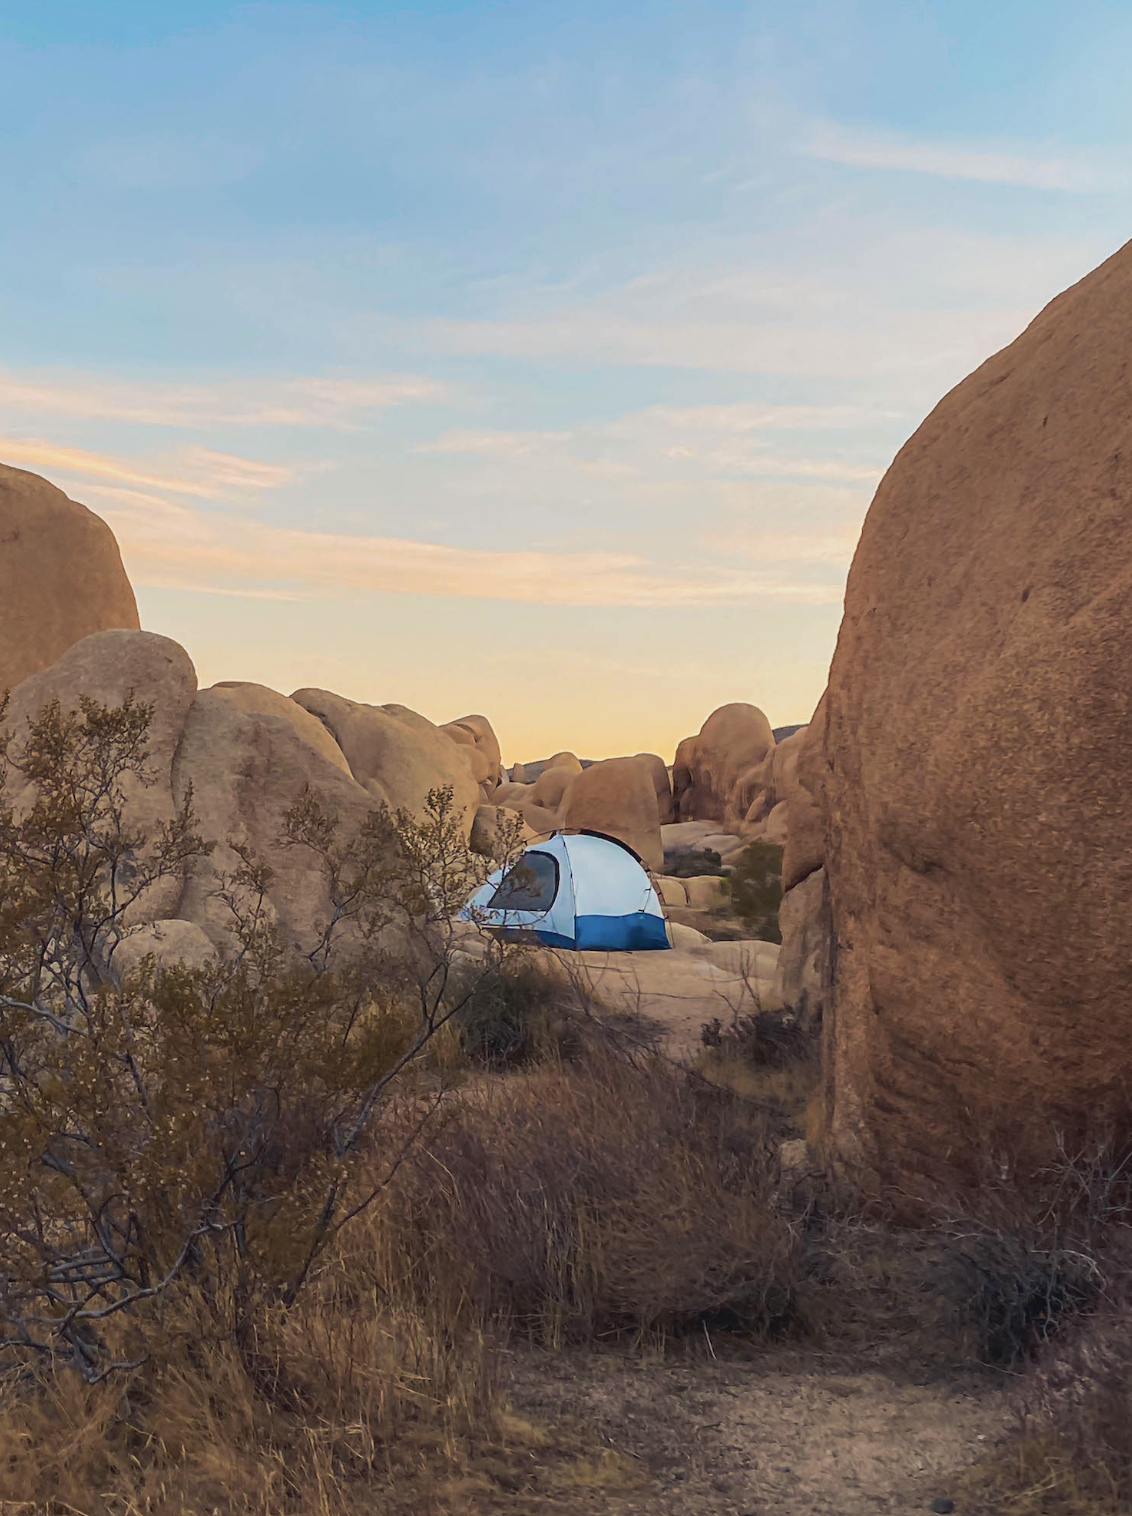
point(248, 753)
point(618, 796)
point(396, 754)
point(718, 774)
point(805, 962)
point(977, 810)
point(477, 733)
point(61, 576)
point(662, 784)
point(258, 700)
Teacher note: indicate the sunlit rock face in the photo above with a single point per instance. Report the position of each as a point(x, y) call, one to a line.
point(718, 774)
point(976, 805)
point(61, 576)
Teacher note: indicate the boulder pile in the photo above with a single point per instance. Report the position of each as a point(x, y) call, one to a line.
point(248, 753)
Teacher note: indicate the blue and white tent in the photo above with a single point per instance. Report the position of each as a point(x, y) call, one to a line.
point(576, 890)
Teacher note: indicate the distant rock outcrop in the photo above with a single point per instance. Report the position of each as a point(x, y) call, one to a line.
point(477, 733)
point(61, 576)
point(976, 800)
point(717, 774)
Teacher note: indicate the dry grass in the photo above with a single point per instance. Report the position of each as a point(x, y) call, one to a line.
point(769, 1059)
point(1072, 1455)
point(567, 1203)
point(310, 1409)
point(604, 1197)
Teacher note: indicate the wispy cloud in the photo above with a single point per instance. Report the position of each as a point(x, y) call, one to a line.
point(909, 342)
point(496, 444)
point(821, 546)
point(721, 440)
point(174, 546)
point(336, 404)
point(1073, 172)
point(197, 472)
point(758, 417)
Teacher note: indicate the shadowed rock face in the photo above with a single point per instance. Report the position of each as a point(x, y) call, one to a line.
point(977, 802)
point(61, 576)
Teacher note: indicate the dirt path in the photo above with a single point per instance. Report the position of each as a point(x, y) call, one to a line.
point(772, 1434)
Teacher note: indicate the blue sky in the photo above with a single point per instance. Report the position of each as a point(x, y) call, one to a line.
point(511, 358)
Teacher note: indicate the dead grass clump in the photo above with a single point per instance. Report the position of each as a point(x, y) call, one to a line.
point(1072, 1455)
point(603, 1197)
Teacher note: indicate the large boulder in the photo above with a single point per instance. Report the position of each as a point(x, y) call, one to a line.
point(551, 785)
point(107, 667)
point(977, 809)
point(719, 774)
point(805, 778)
point(247, 754)
point(564, 760)
point(395, 753)
point(777, 782)
point(804, 961)
point(61, 576)
point(258, 700)
point(247, 769)
point(617, 797)
point(477, 733)
point(662, 784)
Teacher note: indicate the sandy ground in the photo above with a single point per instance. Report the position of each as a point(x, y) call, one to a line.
point(769, 1433)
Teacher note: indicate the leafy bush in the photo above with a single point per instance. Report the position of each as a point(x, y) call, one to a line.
point(756, 889)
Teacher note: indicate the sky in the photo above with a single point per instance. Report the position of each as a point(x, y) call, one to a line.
point(518, 358)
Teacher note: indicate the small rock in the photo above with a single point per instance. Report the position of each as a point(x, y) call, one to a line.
point(942, 1506)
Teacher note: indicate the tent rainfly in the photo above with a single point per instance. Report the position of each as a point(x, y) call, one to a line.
point(576, 890)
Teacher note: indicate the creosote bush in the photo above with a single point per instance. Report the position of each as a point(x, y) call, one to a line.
point(194, 1127)
point(756, 889)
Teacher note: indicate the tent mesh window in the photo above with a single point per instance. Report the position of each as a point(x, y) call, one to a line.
point(530, 886)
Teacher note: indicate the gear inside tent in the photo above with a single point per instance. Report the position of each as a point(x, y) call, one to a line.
point(575, 890)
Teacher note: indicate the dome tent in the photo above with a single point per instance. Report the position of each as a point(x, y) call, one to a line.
point(576, 890)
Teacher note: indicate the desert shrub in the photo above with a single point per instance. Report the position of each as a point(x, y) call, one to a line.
point(764, 1039)
point(1006, 1271)
point(1019, 1288)
point(766, 1057)
point(607, 1195)
point(756, 889)
point(514, 1013)
point(197, 1127)
point(685, 863)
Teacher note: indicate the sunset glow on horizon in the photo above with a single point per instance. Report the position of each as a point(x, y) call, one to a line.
point(476, 359)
